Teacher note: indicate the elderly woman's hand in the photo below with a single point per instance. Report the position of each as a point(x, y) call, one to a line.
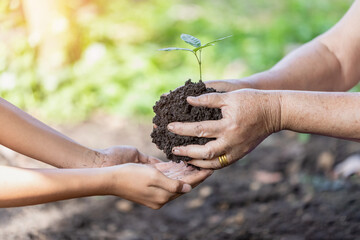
point(249, 116)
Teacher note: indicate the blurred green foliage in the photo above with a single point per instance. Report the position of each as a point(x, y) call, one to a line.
point(112, 59)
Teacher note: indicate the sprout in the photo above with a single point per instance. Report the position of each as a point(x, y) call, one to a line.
point(196, 43)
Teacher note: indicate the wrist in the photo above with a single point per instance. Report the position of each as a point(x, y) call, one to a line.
point(95, 181)
point(272, 108)
point(93, 158)
point(106, 180)
point(114, 180)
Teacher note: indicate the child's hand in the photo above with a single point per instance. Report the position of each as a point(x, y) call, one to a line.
point(122, 154)
point(147, 185)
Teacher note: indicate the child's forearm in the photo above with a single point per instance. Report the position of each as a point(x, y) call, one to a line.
point(25, 134)
point(21, 187)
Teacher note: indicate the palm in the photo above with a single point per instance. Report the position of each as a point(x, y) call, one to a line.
point(183, 172)
point(179, 171)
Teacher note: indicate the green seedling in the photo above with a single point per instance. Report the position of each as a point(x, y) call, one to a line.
point(193, 41)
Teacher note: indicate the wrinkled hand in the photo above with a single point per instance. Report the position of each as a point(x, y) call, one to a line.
point(154, 185)
point(249, 116)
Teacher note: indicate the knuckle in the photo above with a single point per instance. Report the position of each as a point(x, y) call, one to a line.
point(155, 206)
point(232, 127)
point(203, 98)
point(163, 199)
point(177, 187)
point(199, 130)
point(216, 165)
point(206, 98)
point(182, 150)
point(209, 153)
point(130, 149)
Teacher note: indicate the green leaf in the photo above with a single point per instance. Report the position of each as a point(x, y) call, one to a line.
point(212, 43)
point(193, 41)
point(175, 48)
point(218, 40)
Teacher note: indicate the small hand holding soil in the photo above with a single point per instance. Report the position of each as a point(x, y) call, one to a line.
point(175, 108)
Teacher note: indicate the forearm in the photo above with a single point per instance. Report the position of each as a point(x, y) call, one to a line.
point(328, 63)
point(25, 134)
point(330, 114)
point(312, 67)
point(21, 187)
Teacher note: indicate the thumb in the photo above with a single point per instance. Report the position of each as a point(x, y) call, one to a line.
point(211, 100)
point(172, 185)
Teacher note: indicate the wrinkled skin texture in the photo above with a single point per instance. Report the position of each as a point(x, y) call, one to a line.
point(173, 107)
point(249, 116)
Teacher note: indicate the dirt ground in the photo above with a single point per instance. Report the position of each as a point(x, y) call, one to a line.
point(282, 190)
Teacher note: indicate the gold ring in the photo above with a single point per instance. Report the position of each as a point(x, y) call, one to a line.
point(223, 160)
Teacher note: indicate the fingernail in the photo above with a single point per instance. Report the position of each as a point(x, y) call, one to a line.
point(176, 151)
point(186, 188)
point(171, 127)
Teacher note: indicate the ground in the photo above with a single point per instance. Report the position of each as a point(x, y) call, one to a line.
point(282, 190)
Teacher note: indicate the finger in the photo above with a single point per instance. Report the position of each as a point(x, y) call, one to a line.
point(197, 176)
point(212, 163)
point(229, 84)
point(156, 197)
point(218, 85)
point(147, 159)
point(154, 160)
point(176, 175)
point(162, 167)
point(211, 100)
point(208, 129)
point(208, 151)
point(171, 185)
point(206, 164)
point(176, 171)
point(169, 166)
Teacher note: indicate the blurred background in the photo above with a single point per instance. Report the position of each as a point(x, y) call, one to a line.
point(91, 69)
point(63, 60)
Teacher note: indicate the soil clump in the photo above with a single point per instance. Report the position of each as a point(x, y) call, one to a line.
point(174, 107)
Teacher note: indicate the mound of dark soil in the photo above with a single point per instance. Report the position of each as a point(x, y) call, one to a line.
point(174, 108)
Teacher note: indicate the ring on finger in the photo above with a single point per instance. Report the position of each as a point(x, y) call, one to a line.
point(223, 160)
